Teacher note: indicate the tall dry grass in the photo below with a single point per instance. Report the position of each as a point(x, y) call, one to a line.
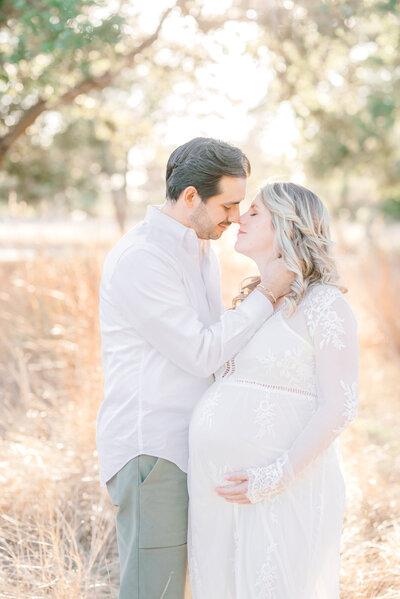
point(57, 525)
point(57, 537)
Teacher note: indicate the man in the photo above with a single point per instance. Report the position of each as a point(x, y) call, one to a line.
point(164, 333)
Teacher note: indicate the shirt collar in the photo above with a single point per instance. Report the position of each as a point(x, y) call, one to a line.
point(171, 230)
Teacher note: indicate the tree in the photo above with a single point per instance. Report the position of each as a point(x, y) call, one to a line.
point(337, 64)
point(78, 39)
point(70, 71)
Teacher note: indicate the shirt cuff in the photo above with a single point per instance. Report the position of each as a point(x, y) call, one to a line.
point(256, 306)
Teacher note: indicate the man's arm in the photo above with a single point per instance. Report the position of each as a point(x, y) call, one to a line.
point(153, 298)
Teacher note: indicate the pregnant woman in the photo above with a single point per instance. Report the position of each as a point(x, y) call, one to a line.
point(266, 487)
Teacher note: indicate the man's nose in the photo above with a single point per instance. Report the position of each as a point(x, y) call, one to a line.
point(234, 215)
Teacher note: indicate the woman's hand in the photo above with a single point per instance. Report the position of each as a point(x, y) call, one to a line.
point(257, 484)
point(235, 493)
point(276, 277)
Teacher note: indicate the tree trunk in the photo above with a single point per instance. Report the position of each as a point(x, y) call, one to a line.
point(120, 199)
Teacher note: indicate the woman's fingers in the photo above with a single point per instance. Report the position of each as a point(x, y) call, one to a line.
point(241, 501)
point(234, 476)
point(233, 491)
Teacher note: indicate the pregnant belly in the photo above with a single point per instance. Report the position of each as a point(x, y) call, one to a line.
point(235, 426)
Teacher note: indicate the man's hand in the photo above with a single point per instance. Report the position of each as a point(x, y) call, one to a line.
point(276, 277)
point(235, 493)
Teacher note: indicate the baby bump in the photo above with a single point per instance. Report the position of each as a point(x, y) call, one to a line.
point(235, 426)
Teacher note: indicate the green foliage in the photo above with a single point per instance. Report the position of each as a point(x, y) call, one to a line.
point(391, 208)
point(70, 151)
point(46, 179)
point(336, 63)
point(49, 38)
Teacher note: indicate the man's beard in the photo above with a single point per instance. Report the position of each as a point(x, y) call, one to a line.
point(216, 233)
point(203, 225)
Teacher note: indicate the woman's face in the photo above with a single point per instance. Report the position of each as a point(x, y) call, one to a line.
point(256, 237)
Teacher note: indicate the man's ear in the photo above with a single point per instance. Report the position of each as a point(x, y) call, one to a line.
point(190, 196)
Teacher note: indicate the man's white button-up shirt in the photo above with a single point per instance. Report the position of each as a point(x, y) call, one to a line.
point(164, 332)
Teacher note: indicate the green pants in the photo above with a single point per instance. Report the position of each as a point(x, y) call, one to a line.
point(152, 500)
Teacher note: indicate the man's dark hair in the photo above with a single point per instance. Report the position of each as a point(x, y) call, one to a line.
point(202, 162)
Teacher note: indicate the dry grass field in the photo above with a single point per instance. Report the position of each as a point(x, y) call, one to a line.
point(56, 526)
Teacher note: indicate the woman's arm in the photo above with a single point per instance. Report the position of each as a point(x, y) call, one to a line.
point(334, 333)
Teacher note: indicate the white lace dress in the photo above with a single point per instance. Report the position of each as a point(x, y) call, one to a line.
point(275, 411)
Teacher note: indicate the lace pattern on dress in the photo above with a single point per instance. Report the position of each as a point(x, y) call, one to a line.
point(296, 365)
point(277, 388)
point(265, 481)
point(265, 414)
point(208, 410)
point(265, 584)
point(350, 404)
point(318, 313)
point(230, 367)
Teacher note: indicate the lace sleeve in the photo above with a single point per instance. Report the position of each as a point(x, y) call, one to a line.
point(333, 329)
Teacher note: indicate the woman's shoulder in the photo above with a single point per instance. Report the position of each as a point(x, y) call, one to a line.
point(322, 292)
point(325, 305)
point(321, 296)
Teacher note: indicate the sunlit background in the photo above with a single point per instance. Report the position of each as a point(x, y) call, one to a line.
point(93, 98)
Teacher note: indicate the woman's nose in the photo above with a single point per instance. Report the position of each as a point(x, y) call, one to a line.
point(242, 218)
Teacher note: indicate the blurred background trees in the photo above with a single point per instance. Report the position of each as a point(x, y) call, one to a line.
point(95, 94)
point(338, 64)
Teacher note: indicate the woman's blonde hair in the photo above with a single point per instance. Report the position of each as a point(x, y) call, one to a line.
point(301, 224)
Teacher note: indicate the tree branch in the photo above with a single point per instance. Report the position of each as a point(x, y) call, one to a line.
point(27, 119)
point(83, 87)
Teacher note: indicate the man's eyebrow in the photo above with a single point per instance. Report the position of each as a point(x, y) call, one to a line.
point(233, 203)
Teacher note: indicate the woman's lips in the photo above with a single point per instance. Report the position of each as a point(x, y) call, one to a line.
point(240, 232)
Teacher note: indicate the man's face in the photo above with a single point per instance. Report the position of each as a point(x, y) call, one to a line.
point(211, 218)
